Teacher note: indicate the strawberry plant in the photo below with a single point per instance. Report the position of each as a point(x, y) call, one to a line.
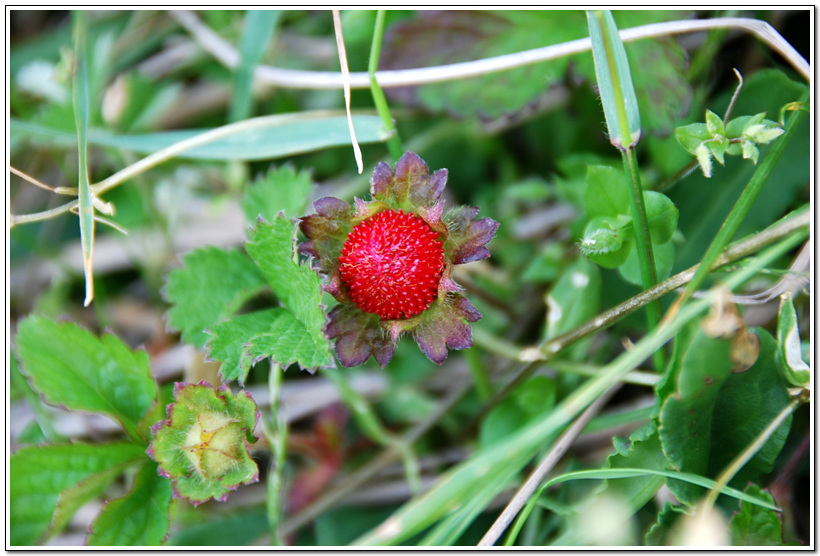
point(427, 278)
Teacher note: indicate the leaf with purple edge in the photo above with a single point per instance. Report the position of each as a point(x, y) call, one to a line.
point(358, 335)
point(444, 327)
point(468, 237)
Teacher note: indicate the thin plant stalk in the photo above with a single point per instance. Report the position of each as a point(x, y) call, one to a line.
point(394, 143)
point(226, 54)
point(340, 44)
point(81, 100)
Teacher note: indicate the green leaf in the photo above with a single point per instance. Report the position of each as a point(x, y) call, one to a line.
point(713, 414)
point(140, 518)
point(574, 298)
point(658, 533)
point(212, 284)
point(664, 261)
point(756, 526)
point(283, 189)
point(242, 340)
point(692, 136)
point(525, 403)
point(39, 474)
point(789, 355)
point(714, 124)
point(643, 451)
point(607, 192)
point(297, 286)
point(265, 138)
point(71, 367)
point(662, 216)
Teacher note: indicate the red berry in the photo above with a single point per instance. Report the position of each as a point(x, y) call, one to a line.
point(391, 264)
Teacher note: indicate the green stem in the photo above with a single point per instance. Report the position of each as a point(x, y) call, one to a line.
point(276, 431)
point(743, 205)
point(394, 143)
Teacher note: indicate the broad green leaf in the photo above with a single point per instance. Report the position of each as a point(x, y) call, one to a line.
point(297, 286)
point(281, 189)
point(265, 138)
point(39, 474)
point(643, 450)
point(573, 299)
point(71, 367)
point(243, 339)
point(140, 517)
point(74, 497)
point(664, 260)
point(789, 354)
point(756, 526)
point(607, 192)
point(658, 533)
point(523, 405)
point(713, 414)
point(212, 284)
point(661, 215)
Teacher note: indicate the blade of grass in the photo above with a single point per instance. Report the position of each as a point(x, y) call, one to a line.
point(340, 45)
point(257, 30)
point(81, 116)
point(742, 207)
point(394, 143)
point(455, 487)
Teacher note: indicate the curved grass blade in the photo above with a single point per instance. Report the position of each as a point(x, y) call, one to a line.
point(256, 34)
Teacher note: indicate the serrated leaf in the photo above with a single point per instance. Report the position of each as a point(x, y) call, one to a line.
point(140, 518)
point(281, 189)
point(72, 368)
point(297, 286)
point(39, 474)
point(756, 526)
point(212, 284)
point(240, 341)
point(644, 451)
point(658, 533)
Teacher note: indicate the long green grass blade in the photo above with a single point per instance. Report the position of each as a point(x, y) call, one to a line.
point(628, 472)
point(256, 33)
point(81, 116)
point(262, 138)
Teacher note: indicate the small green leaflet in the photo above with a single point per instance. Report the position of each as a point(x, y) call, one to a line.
point(299, 288)
point(281, 189)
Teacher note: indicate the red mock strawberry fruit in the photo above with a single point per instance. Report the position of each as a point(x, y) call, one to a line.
point(389, 263)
